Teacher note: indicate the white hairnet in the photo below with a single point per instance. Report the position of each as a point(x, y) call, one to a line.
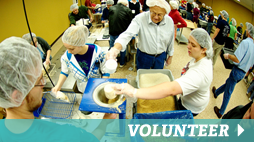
point(196, 6)
point(211, 12)
point(174, 4)
point(160, 3)
point(190, 0)
point(233, 21)
point(110, 2)
point(250, 29)
point(209, 7)
point(28, 38)
point(123, 1)
point(224, 14)
point(20, 64)
point(74, 6)
point(206, 7)
point(203, 4)
point(76, 35)
point(241, 24)
point(204, 40)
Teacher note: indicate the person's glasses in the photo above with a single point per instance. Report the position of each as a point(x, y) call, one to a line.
point(42, 82)
point(154, 14)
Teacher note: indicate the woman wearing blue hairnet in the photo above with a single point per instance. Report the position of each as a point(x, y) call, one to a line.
point(193, 86)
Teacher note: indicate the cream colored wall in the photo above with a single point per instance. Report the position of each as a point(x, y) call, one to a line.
point(47, 18)
point(235, 10)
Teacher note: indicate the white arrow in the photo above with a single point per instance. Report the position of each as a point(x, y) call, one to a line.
point(240, 130)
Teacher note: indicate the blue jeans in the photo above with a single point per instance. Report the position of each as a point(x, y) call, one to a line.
point(209, 27)
point(250, 89)
point(122, 54)
point(145, 61)
point(235, 76)
point(189, 16)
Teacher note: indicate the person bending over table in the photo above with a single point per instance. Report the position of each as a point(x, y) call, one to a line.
point(83, 60)
point(41, 45)
point(78, 12)
point(193, 86)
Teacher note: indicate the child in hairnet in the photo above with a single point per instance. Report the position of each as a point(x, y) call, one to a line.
point(83, 60)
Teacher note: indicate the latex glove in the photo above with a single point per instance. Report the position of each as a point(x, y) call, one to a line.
point(126, 89)
point(55, 89)
point(112, 53)
point(91, 19)
point(226, 55)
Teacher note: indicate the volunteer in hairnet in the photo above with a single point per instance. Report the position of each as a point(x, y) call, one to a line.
point(78, 12)
point(42, 46)
point(105, 12)
point(243, 59)
point(156, 33)
point(21, 93)
point(232, 35)
point(83, 60)
point(194, 83)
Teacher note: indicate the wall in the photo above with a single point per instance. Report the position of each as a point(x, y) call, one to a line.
point(47, 18)
point(235, 10)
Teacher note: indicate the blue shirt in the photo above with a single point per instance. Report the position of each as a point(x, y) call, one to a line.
point(245, 54)
point(153, 38)
point(84, 60)
point(105, 14)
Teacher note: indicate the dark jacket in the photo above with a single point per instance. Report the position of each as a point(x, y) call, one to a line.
point(81, 14)
point(120, 18)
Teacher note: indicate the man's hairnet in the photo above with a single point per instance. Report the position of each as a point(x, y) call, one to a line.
point(211, 12)
point(74, 6)
point(110, 2)
point(233, 22)
point(20, 64)
point(204, 40)
point(206, 7)
point(76, 35)
point(28, 38)
point(209, 7)
point(160, 3)
point(203, 4)
point(123, 1)
point(241, 24)
point(224, 14)
point(174, 4)
point(190, 1)
point(250, 29)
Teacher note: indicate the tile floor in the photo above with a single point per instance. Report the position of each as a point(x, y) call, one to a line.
point(180, 59)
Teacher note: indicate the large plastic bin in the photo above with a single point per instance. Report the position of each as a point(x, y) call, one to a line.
point(149, 71)
point(227, 62)
point(166, 117)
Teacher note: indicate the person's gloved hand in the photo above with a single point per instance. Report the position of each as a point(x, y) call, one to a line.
point(126, 89)
point(112, 53)
point(226, 55)
point(48, 61)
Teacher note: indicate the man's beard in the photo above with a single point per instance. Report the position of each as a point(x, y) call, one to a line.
point(31, 106)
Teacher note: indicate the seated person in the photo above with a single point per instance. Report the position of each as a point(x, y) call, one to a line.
point(79, 12)
point(83, 60)
point(21, 93)
point(90, 5)
point(105, 12)
point(41, 45)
